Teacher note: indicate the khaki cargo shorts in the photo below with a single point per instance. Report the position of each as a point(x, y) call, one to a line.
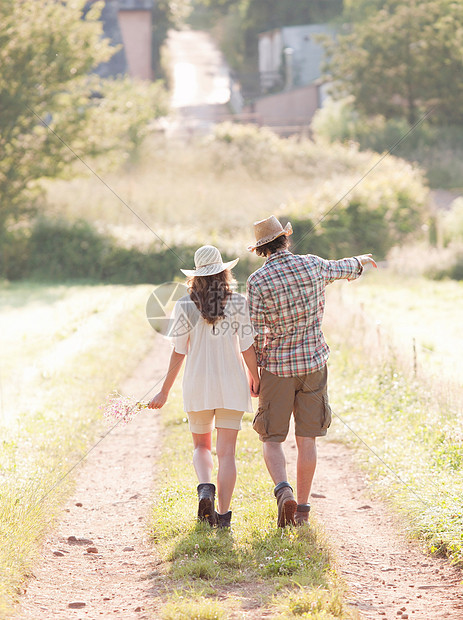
point(305, 396)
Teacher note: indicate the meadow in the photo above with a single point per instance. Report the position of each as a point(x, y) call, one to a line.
point(397, 395)
point(212, 188)
point(64, 349)
point(394, 376)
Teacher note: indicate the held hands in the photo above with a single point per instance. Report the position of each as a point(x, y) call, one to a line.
point(158, 401)
point(254, 385)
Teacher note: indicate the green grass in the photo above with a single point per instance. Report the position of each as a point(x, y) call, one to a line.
point(419, 319)
point(219, 574)
point(409, 415)
point(50, 416)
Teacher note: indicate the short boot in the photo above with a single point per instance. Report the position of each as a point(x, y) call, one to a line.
point(206, 496)
point(301, 515)
point(286, 504)
point(223, 521)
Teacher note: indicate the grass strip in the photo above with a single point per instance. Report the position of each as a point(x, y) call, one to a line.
point(41, 446)
point(209, 573)
point(412, 424)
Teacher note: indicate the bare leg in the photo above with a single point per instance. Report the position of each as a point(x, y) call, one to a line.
point(226, 476)
point(306, 463)
point(202, 457)
point(275, 460)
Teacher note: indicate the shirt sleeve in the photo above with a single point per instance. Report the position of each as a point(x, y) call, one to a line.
point(179, 328)
point(257, 316)
point(344, 269)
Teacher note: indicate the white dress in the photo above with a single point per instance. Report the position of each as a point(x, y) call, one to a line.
point(215, 375)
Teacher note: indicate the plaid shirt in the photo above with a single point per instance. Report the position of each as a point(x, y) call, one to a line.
point(286, 302)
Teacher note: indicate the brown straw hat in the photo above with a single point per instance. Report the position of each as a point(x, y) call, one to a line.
point(208, 262)
point(269, 229)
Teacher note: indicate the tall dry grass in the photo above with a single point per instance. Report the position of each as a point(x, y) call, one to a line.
point(397, 395)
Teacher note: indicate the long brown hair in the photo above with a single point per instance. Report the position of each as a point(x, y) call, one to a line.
point(210, 294)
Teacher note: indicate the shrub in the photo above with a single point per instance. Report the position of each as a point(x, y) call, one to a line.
point(57, 250)
point(436, 148)
point(452, 269)
point(452, 222)
point(385, 209)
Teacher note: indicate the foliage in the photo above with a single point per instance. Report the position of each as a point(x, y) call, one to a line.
point(452, 222)
point(166, 14)
point(340, 120)
point(448, 260)
point(239, 22)
point(437, 149)
point(401, 60)
point(52, 109)
point(57, 250)
point(241, 174)
point(452, 268)
point(46, 49)
point(384, 209)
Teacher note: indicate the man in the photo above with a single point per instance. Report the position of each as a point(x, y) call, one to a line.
point(286, 301)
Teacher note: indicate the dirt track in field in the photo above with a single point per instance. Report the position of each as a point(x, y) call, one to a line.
point(99, 562)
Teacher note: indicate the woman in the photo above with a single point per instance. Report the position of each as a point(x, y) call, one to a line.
point(211, 326)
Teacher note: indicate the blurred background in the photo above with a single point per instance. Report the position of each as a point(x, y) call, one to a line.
point(134, 131)
point(191, 119)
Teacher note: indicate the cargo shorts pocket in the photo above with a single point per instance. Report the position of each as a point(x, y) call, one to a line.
point(259, 424)
point(326, 413)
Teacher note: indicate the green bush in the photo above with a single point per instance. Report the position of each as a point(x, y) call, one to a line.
point(14, 254)
point(343, 232)
point(386, 209)
point(452, 223)
point(438, 149)
point(453, 269)
point(57, 250)
point(339, 120)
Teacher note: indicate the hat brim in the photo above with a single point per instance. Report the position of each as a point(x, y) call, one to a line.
point(287, 231)
point(210, 270)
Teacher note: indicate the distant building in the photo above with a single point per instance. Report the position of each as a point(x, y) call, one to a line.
point(292, 56)
point(128, 23)
point(290, 72)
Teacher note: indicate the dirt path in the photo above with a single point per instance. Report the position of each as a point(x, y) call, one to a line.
point(388, 576)
point(201, 82)
point(99, 562)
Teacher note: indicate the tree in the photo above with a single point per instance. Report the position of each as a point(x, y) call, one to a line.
point(52, 108)
point(247, 18)
point(403, 59)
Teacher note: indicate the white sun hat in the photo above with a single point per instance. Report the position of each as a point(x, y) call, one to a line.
point(208, 262)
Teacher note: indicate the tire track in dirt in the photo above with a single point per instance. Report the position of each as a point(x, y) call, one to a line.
point(99, 559)
point(387, 575)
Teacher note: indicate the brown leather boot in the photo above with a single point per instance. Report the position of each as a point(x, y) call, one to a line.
point(206, 496)
point(223, 521)
point(286, 504)
point(301, 515)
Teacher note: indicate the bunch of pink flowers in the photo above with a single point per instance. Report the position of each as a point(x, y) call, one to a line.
point(121, 408)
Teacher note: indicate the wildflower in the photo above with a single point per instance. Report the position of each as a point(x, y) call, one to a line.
point(121, 408)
